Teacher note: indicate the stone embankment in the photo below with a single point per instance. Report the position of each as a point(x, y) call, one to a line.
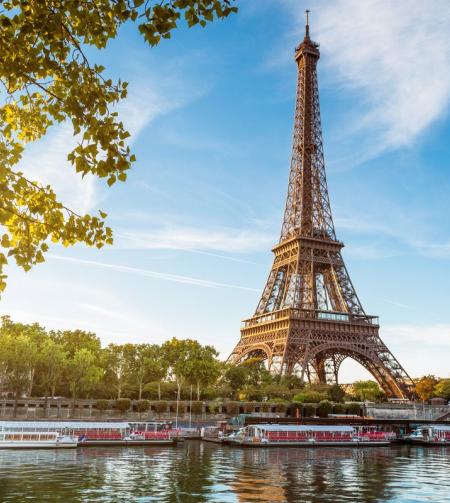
point(412, 411)
point(62, 408)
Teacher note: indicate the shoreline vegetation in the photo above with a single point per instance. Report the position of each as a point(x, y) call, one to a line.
point(72, 364)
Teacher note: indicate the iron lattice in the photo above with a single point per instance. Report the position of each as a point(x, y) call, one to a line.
point(309, 318)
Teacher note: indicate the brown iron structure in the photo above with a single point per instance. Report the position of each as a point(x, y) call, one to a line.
point(309, 318)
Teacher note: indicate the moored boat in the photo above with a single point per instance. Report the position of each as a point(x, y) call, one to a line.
point(36, 440)
point(286, 435)
point(94, 433)
point(436, 434)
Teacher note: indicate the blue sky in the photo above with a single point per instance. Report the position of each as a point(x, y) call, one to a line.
point(211, 112)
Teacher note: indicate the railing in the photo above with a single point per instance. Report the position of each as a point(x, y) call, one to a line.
point(311, 314)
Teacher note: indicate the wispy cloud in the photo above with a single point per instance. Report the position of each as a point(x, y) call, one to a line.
point(178, 237)
point(407, 231)
point(46, 161)
point(393, 56)
point(177, 278)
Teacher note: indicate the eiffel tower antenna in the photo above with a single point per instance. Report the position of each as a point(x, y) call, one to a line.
point(309, 318)
point(307, 23)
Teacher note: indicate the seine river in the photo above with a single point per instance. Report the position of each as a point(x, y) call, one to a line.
point(196, 472)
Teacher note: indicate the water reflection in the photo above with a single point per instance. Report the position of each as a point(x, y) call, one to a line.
point(199, 472)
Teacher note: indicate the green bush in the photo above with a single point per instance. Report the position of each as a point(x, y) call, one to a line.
point(339, 408)
point(353, 408)
point(310, 396)
point(336, 393)
point(272, 391)
point(308, 409)
point(102, 404)
point(160, 407)
point(325, 407)
point(253, 393)
point(142, 405)
point(122, 404)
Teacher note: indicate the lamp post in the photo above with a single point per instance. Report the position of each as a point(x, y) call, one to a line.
point(190, 409)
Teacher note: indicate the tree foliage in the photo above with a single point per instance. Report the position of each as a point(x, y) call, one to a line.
point(72, 363)
point(367, 390)
point(424, 387)
point(442, 389)
point(83, 372)
point(46, 78)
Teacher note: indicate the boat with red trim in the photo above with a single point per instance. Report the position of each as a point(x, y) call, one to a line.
point(106, 433)
point(293, 435)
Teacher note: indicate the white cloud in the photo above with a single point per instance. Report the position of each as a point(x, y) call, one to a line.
point(46, 160)
point(179, 237)
point(393, 56)
point(177, 278)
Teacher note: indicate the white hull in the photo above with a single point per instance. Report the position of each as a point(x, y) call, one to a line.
point(37, 445)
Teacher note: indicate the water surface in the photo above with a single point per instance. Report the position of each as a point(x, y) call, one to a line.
point(196, 472)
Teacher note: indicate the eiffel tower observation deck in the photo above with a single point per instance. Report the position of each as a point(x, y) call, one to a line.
point(309, 318)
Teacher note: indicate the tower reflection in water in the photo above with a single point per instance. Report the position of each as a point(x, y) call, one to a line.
point(286, 475)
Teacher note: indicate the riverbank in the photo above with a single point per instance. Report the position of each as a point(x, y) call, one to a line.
point(207, 411)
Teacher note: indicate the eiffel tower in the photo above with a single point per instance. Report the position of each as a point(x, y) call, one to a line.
point(309, 318)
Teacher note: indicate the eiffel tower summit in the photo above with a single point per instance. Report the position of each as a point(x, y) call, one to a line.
point(309, 318)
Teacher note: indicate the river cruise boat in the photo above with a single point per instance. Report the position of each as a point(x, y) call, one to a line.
point(94, 433)
point(436, 434)
point(36, 440)
point(277, 435)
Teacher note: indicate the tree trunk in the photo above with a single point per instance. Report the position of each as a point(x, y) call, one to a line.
point(119, 391)
point(30, 388)
point(53, 390)
point(74, 397)
point(16, 398)
point(159, 390)
point(140, 390)
point(198, 391)
point(178, 401)
point(46, 404)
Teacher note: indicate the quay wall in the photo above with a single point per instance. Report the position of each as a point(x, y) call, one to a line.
point(410, 411)
point(29, 408)
point(61, 408)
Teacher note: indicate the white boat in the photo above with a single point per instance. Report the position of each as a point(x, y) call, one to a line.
point(94, 433)
point(36, 440)
point(436, 434)
point(276, 435)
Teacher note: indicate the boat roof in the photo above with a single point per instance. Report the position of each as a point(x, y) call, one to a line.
point(82, 425)
point(302, 427)
point(442, 427)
